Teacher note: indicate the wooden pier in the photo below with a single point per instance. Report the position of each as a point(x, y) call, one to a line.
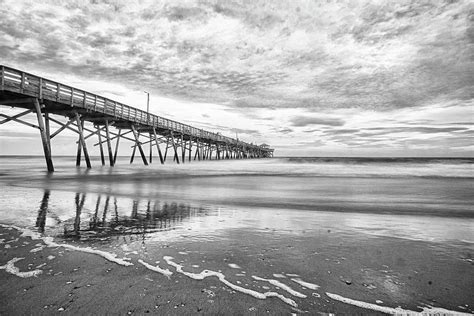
point(45, 98)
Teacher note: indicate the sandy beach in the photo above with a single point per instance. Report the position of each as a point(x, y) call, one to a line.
point(376, 272)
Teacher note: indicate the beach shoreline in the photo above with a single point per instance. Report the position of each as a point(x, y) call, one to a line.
point(128, 240)
point(74, 282)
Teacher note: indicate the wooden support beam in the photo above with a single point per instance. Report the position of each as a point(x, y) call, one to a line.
point(109, 145)
point(18, 121)
point(10, 118)
point(102, 159)
point(99, 119)
point(85, 129)
point(63, 127)
point(116, 146)
point(158, 146)
point(175, 149)
point(198, 149)
point(116, 135)
point(151, 150)
point(167, 146)
point(66, 125)
point(183, 149)
point(47, 130)
point(44, 138)
point(78, 153)
point(18, 101)
point(208, 152)
point(139, 145)
point(203, 151)
point(149, 141)
point(134, 150)
point(82, 140)
point(196, 152)
point(98, 130)
point(190, 148)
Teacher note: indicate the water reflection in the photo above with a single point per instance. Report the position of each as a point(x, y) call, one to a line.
point(101, 216)
point(41, 218)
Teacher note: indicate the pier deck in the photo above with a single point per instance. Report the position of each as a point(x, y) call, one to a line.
point(45, 97)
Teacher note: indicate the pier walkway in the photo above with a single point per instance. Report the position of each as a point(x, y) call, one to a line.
point(46, 98)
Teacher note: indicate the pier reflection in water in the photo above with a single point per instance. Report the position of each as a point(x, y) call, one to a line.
point(99, 216)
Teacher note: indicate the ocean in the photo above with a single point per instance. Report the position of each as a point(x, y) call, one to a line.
point(290, 210)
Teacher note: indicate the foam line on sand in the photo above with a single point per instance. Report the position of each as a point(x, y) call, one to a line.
point(25, 232)
point(165, 272)
point(305, 284)
point(207, 273)
point(394, 311)
point(10, 268)
point(281, 286)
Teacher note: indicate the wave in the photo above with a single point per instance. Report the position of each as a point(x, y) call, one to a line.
point(12, 171)
point(359, 160)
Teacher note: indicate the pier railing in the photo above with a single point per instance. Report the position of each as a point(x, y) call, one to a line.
point(28, 84)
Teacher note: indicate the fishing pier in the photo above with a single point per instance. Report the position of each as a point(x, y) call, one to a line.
point(110, 121)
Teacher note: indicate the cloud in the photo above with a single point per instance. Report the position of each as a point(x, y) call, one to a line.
point(342, 131)
point(244, 131)
point(300, 121)
point(312, 55)
point(392, 62)
point(285, 130)
point(373, 131)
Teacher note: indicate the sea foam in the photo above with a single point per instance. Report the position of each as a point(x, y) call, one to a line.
point(25, 232)
point(207, 273)
point(394, 311)
point(10, 268)
point(281, 286)
point(165, 272)
point(306, 284)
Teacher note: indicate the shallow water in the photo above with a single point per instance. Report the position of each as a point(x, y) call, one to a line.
point(148, 213)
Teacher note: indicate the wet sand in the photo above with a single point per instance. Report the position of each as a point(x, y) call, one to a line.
point(387, 272)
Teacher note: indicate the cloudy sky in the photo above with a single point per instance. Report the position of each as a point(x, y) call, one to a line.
point(337, 78)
